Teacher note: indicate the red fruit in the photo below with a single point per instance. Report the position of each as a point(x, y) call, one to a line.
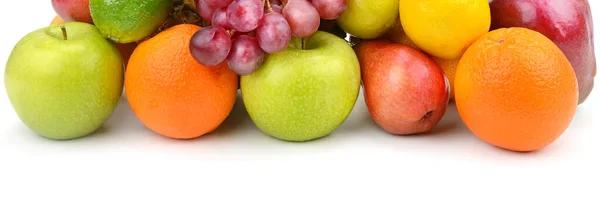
point(406, 92)
point(73, 10)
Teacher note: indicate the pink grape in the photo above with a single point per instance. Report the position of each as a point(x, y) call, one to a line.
point(210, 45)
point(273, 33)
point(244, 15)
point(303, 18)
point(330, 9)
point(276, 8)
point(245, 56)
point(219, 3)
point(204, 9)
point(220, 19)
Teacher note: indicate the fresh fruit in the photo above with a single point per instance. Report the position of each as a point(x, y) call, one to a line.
point(125, 21)
point(126, 51)
point(368, 19)
point(242, 32)
point(406, 92)
point(73, 10)
point(451, 25)
point(220, 19)
point(244, 15)
point(273, 33)
point(210, 45)
point(449, 68)
point(303, 94)
point(204, 10)
point(171, 93)
point(330, 9)
point(245, 56)
point(53, 84)
point(397, 34)
point(303, 18)
point(568, 23)
point(56, 20)
point(515, 89)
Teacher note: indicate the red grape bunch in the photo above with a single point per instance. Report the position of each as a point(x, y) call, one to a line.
point(242, 32)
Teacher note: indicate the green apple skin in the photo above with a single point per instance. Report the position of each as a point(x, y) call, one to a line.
point(369, 19)
point(64, 89)
point(304, 94)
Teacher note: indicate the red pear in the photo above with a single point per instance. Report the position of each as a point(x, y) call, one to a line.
point(406, 92)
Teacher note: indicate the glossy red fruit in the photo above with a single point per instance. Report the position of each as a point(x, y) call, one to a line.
point(406, 92)
point(73, 10)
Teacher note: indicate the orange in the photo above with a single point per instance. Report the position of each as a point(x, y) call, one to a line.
point(449, 67)
point(56, 20)
point(171, 93)
point(516, 90)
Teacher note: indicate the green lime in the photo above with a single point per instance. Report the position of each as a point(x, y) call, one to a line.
point(125, 21)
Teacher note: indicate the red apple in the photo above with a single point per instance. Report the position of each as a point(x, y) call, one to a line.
point(405, 91)
point(566, 22)
point(73, 10)
point(126, 51)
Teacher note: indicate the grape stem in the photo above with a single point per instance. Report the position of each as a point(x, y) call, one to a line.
point(231, 32)
point(64, 32)
point(269, 5)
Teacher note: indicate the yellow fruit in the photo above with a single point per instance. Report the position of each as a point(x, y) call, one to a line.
point(445, 28)
point(397, 34)
point(449, 68)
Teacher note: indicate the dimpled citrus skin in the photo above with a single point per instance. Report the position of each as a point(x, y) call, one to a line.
point(126, 21)
point(171, 93)
point(516, 90)
point(444, 28)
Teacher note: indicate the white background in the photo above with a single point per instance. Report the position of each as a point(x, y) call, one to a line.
point(358, 162)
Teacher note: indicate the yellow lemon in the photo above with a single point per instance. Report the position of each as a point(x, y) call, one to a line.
point(445, 28)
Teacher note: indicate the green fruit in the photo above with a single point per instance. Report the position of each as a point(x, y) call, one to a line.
point(126, 21)
point(301, 95)
point(369, 19)
point(64, 89)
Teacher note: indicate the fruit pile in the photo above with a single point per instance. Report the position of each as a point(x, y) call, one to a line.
point(515, 69)
point(242, 31)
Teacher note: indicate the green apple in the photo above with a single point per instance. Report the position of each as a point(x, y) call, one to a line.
point(304, 94)
point(64, 82)
point(369, 19)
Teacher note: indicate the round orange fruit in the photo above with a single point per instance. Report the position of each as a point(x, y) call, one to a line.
point(515, 89)
point(171, 93)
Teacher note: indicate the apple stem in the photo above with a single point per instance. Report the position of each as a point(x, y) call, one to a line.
point(303, 43)
point(64, 32)
point(283, 3)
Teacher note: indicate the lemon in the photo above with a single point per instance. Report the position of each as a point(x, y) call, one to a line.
point(445, 28)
